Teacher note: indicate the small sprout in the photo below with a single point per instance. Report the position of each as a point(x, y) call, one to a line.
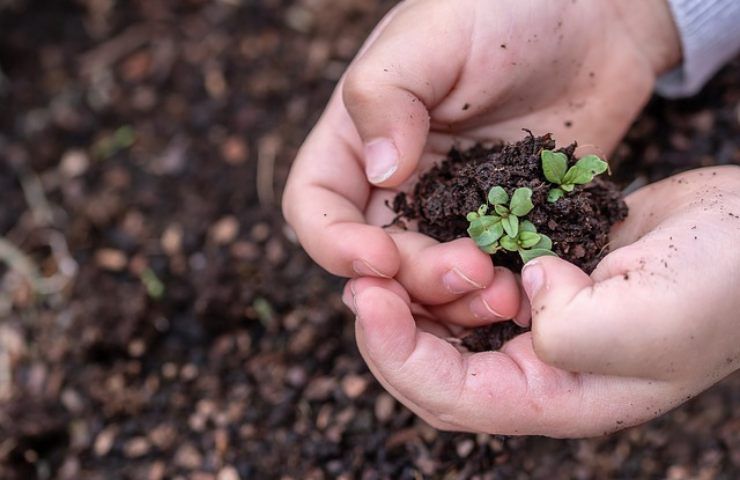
point(528, 243)
point(121, 139)
point(153, 285)
point(264, 311)
point(555, 167)
point(504, 230)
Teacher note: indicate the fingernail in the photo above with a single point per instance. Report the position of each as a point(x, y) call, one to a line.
point(482, 310)
point(364, 269)
point(457, 282)
point(533, 277)
point(381, 160)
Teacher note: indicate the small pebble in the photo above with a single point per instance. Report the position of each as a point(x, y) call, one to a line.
point(111, 259)
point(225, 230)
point(465, 447)
point(354, 385)
point(74, 163)
point(228, 473)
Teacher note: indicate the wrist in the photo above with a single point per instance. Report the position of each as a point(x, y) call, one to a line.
point(651, 26)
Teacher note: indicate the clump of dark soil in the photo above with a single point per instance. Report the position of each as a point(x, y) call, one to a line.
point(492, 337)
point(578, 224)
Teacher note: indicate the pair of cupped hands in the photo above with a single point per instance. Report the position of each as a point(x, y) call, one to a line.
point(657, 322)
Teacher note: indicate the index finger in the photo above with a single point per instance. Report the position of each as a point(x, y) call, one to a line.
point(325, 197)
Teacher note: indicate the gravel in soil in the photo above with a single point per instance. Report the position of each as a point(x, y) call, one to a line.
point(195, 340)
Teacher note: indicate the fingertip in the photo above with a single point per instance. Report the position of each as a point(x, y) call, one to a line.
point(385, 327)
point(359, 250)
point(358, 285)
point(468, 268)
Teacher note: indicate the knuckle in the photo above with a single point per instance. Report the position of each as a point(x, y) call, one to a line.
point(358, 88)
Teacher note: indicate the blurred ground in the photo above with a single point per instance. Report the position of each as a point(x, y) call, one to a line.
point(160, 322)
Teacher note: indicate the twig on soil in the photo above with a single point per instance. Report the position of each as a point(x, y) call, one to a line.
point(266, 154)
point(6, 375)
point(43, 216)
point(33, 192)
point(19, 262)
point(108, 53)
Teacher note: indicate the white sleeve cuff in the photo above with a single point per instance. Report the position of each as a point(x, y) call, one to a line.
point(710, 37)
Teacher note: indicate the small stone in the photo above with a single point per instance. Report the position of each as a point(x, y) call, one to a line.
point(296, 376)
point(163, 436)
point(202, 476)
point(188, 457)
point(136, 447)
point(384, 406)
point(136, 348)
point(245, 250)
point(72, 401)
point(260, 232)
point(172, 239)
point(228, 473)
point(354, 385)
point(225, 230)
point(464, 448)
point(111, 259)
point(320, 388)
point(189, 372)
point(157, 471)
point(74, 163)
point(235, 151)
point(104, 441)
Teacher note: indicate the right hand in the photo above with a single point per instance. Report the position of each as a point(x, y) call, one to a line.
point(436, 73)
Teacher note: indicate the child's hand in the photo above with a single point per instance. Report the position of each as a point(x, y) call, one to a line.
point(656, 323)
point(437, 72)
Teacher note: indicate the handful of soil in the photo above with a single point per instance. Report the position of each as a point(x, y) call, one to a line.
point(578, 223)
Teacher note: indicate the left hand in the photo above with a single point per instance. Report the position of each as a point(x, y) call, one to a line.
point(657, 322)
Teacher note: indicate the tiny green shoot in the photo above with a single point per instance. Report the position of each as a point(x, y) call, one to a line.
point(152, 283)
point(504, 228)
point(555, 168)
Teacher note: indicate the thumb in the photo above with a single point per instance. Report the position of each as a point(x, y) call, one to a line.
point(612, 327)
point(391, 87)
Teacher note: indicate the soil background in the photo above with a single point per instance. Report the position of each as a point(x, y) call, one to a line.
point(181, 331)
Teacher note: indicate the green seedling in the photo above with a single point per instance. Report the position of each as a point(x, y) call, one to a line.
point(555, 167)
point(503, 229)
point(152, 283)
point(121, 139)
point(528, 243)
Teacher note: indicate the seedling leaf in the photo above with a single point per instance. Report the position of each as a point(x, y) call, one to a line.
point(509, 243)
point(528, 239)
point(554, 165)
point(527, 226)
point(490, 235)
point(501, 210)
point(498, 196)
point(555, 194)
point(528, 255)
point(593, 164)
point(480, 224)
point(545, 243)
point(511, 225)
point(521, 202)
point(492, 248)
